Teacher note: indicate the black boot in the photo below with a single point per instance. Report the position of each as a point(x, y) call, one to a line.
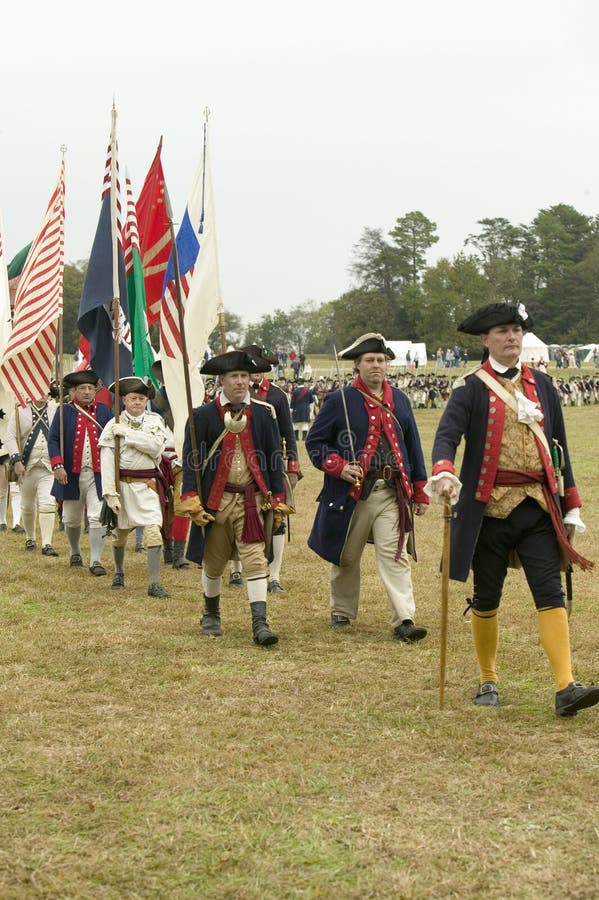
point(179, 561)
point(260, 628)
point(210, 621)
point(167, 552)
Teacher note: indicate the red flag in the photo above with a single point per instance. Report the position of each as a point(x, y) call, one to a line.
point(28, 359)
point(154, 235)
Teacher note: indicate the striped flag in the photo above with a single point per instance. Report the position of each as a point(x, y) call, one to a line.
point(154, 235)
point(143, 354)
point(104, 281)
point(28, 359)
point(197, 252)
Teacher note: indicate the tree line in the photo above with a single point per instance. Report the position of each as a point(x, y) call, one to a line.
point(551, 265)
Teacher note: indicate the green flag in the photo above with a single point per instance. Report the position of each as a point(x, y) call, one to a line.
point(143, 352)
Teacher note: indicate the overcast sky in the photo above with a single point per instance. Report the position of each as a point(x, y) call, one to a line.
point(326, 117)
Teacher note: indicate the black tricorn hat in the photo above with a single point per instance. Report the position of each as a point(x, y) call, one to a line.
point(232, 361)
point(86, 376)
point(263, 359)
point(131, 384)
point(505, 313)
point(367, 343)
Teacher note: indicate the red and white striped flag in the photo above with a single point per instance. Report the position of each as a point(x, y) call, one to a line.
point(28, 359)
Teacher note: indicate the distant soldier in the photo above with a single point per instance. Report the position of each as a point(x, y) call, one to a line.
point(77, 479)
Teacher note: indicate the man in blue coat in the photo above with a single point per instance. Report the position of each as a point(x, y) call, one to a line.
point(374, 480)
point(77, 478)
point(234, 452)
point(515, 485)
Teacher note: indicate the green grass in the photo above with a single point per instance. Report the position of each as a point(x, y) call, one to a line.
point(141, 760)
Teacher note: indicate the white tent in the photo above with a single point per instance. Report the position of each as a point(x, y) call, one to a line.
point(533, 348)
point(590, 351)
point(417, 352)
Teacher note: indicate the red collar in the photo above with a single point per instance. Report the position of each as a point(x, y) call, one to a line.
point(387, 392)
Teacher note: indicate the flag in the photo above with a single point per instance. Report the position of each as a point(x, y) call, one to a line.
point(154, 235)
point(197, 252)
point(143, 354)
point(7, 398)
point(28, 359)
point(103, 284)
point(14, 269)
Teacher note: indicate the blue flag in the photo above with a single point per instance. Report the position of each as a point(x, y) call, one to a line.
point(95, 317)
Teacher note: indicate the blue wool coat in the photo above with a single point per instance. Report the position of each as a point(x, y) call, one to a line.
point(70, 490)
point(208, 426)
point(328, 435)
point(467, 415)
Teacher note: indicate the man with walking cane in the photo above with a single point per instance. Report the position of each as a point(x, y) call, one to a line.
point(366, 442)
point(507, 499)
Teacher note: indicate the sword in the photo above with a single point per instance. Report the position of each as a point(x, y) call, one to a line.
point(358, 481)
point(557, 459)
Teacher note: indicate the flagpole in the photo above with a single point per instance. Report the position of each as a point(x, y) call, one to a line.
point(207, 173)
point(184, 357)
point(60, 361)
point(115, 289)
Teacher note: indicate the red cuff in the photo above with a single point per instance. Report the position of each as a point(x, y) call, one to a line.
point(443, 465)
point(293, 465)
point(56, 461)
point(189, 494)
point(419, 495)
point(571, 499)
point(276, 499)
point(333, 465)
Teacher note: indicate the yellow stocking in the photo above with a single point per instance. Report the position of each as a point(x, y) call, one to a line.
point(554, 633)
point(485, 635)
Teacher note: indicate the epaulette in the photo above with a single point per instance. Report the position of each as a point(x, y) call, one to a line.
point(264, 403)
point(461, 381)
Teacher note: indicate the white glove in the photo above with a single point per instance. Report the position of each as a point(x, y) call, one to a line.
point(119, 430)
point(114, 502)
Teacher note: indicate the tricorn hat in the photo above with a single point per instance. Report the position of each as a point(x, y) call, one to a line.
point(131, 384)
point(86, 376)
point(505, 313)
point(157, 366)
point(232, 361)
point(264, 360)
point(367, 343)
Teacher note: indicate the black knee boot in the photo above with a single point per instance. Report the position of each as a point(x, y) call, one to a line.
point(210, 621)
point(179, 561)
point(260, 628)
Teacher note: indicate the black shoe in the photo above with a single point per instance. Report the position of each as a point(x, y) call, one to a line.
point(156, 590)
point(139, 548)
point(76, 562)
point(210, 624)
point(3, 526)
point(118, 581)
point(97, 568)
point(574, 697)
point(409, 633)
point(235, 580)
point(487, 694)
point(339, 621)
point(30, 545)
point(275, 587)
point(18, 529)
point(48, 550)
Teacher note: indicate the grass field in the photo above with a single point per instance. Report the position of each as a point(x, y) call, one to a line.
point(140, 760)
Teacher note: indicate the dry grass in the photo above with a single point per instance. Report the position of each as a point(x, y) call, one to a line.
point(140, 760)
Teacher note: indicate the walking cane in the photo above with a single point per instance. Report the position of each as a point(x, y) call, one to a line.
point(444, 597)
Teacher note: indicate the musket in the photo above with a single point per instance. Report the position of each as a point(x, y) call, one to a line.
point(358, 481)
point(444, 597)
